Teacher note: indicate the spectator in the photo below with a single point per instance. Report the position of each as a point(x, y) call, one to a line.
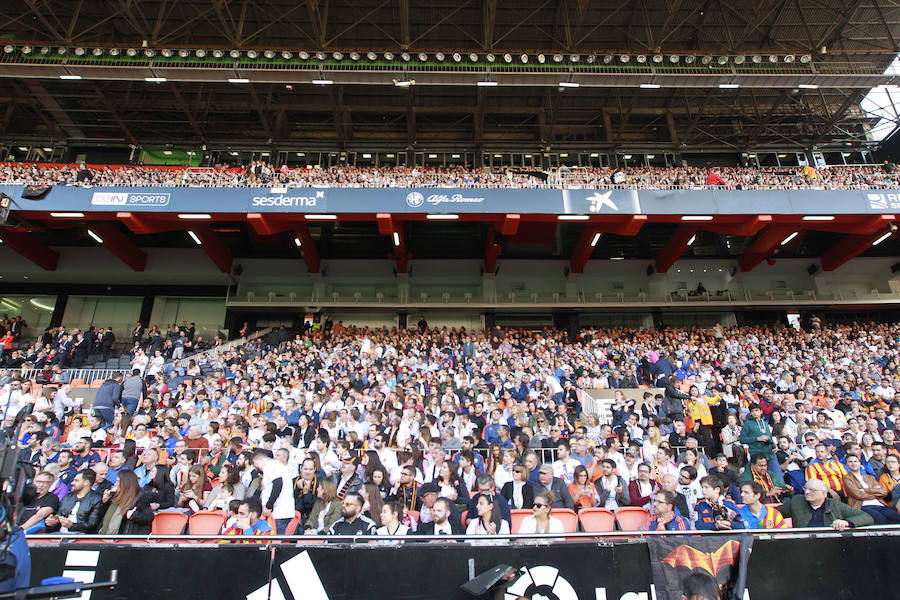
point(128, 509)
point(546, 481)
point(352, 521)
point(249, 520)
point(488, 520)
point(81, 510)
point(815, 509)
point(865, 493)
point(665, 518)
point(540, 521)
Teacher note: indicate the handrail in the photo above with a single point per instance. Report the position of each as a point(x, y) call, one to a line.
point(222, 348)
point(789, 532)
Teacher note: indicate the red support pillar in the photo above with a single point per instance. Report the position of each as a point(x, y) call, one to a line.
point(850, 247)
point(675, 247)
point(309, 249)
point(121, 245)
point(263, 225)
point(31, 248)
point(583, 248)
point(136, 223)
point(213, 245)
point(764, 244)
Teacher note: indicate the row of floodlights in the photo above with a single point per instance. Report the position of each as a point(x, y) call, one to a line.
point(456, 57)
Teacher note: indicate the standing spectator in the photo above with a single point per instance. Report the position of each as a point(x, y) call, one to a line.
point(275, 490)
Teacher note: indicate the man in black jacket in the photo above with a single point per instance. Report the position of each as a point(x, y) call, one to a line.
point(441, 524)
point(81, 509)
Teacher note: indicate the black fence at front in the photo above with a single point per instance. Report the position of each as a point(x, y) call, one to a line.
point(826, 565)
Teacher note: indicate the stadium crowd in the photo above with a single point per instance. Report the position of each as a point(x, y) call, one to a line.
point(261, 174)
point(350, 431)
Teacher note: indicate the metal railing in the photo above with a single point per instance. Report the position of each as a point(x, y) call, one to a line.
point(206, 355)
point(794, 532)
point(87, 376)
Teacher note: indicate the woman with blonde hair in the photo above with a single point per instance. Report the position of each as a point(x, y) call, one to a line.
point(325, 511)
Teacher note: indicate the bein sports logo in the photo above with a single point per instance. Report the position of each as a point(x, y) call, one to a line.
point(884, 201)
point(129, 199)
point(415, 199)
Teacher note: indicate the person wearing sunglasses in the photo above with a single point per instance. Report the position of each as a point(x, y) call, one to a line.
point(352, 521)
point(540, 521)
point(519, 492)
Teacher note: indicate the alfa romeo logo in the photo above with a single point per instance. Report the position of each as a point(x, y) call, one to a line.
point(415, 199)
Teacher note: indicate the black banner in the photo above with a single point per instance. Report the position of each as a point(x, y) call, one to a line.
point(724, 559)
point(828, 567)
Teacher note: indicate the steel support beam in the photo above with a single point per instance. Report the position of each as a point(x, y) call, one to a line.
point(764, 244)
point(31, 248)
point(850, 247)
point(675, 247)
point(120, 244)
point(213, 245)
point(308, 248)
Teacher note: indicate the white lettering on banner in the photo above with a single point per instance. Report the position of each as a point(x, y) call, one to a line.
point(884, 201)
point(129, 199)
point(436, 199)
point(533, 578)
point(600, 594)
point(287, 201)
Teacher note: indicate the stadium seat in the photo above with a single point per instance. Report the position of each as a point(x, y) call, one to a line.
point(632, 518)
point(413, 514)
point(463, 516)
point(597, 520)
point(205, 523)
point(518, 515)
point(168, 523)
point(568, 517)
point(96, 383)
point(77, 382)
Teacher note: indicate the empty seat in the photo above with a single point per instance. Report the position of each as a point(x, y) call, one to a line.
point(206, 522)
point(597, 520)
point(168, 523)
point(568, 518)
point(518, 515)
point(632, 518)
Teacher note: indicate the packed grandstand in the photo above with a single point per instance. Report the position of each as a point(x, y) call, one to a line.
point(262, 174)
point(344, 430)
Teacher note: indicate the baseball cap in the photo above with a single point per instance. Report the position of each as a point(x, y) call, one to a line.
point(545, 468)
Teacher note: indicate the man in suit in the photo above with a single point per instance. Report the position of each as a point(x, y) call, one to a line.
point(107, 339)
point(442, 523)
point(546, 481)
point(137, 333)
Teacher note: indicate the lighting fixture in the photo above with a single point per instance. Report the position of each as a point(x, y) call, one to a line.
point(404, 56)
point(649, 86)
point(67, 215)
point(596, 239)
point(624, 58)
point(591, 59)
point(729, 86)
point(569, 84)
point(27, 49)
point(97, 51)
point(337, 55)
point(806, 58)
point(404, 83)
point(396, 239)
point(693, 239)
point(195, 238)
point(218, 54)
point(524, 59)
point(194, 216)
point(697, 218)
point(442, 217)
point(303, 55)
point(473, 57)
point(616, 258)
point(808, 86)
point(674, 58)
point(70, 77)
point(439, 56)
point(371, 56)
point(541, 58)
point(320, 217)
point(96, 237)
point(79, 51)
point(882, 238)
point(61, 50)
point(45, 50)
point(557, 58)
point(252, 54)
point(575, 58)
point(200, 53)
point(45, 149)
point(490, 57)
point(722, 60)
point(689, 59)
point(573, 217)
point(740, 59)
point(149, 52)
point(297, 242)
point(166, 52)
point(457, 57)
point(155, 79)
point(818, 218)
point(423, 57)
point(787, 240)
point(322, 82)
point(238, 80)
point(320, 55)
point(608, 59)
point(270, 54)
point(756, 59)
point(626, 156)
point(657, 58)
point(773, 58)
point(9, 48)
point(507, 58)
point(487, 84)
point(789, 58)
point(23, 148)
point(705, 60)
point(641, 58)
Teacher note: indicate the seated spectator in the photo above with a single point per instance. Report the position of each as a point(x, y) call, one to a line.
point(665, 518)
point(815, 509)
point(390, 520)
point(714, 511)
point(42, 505)
point(541, 521)
point(80, 510)
point(352, 521)
point(756, 515)
point(326, 511)
point(865, 493)
point(488, 520)
point(159, 489)
point(442, 524)
point(758, 471)
point(584, 493)
point(128, 509)
point(546, 481)
point(518, 493)
point(249, 520)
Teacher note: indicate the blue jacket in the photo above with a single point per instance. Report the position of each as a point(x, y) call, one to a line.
point(109, 395)
point(706, 515)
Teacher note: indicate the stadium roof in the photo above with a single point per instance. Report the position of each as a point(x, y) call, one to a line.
point(685, 75)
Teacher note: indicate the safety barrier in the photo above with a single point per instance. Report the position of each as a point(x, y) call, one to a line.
point(206, 355)
point(77, 376)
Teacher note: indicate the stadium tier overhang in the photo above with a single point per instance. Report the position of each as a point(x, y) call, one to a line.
point(762, 237)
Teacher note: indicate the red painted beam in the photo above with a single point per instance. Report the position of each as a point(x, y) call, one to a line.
point(385, 223)
point(583, 248)
point(136, 223)
point(213, 245)
point(764, 244)
point(491, 251)
point(850, 247)
point(263, 224)
point(632, 226)
point(309, 249)
point(675, 247)
point(121, 245)
point(748, 228)
point(31, 248)
point(510, 224)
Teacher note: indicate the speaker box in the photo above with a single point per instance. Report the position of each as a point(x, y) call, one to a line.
point(895, 267)
point(812, 269)
point(485, 582)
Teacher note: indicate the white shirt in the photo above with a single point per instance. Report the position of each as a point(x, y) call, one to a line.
point(565, 470)
point(529, 525)
point(284, 503)
point(401, 530)
point(475, 528)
